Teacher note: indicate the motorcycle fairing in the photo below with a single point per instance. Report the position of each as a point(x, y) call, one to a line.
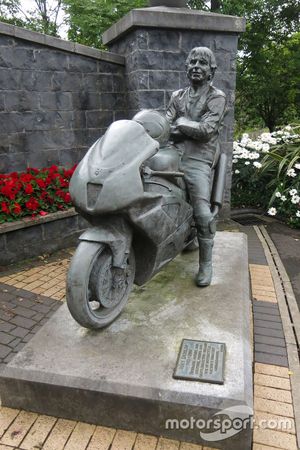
point(111, 169)
point(116, 234)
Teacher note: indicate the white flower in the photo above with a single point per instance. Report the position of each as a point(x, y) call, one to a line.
point(234, 161)
point(278, 195)
point(297, 166)
point(298, 213)
point(295, 199)
point(245, 136)
point(293, 192)
point(236, 171)
point(288, 128)
point(283, 198)
point(265, 148)
point(291, 173)
point(247, 163)
point(272, 212)
point(257, 164)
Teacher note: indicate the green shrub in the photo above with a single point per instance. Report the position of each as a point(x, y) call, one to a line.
point(266, 173)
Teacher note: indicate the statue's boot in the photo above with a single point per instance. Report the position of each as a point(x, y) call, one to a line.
point(204, 275)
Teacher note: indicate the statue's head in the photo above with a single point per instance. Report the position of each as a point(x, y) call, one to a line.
point(154, 123)
point(200, 65)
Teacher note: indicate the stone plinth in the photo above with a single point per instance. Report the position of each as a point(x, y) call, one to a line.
point(122, 376)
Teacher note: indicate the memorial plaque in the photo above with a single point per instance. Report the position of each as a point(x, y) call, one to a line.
point(201, 361)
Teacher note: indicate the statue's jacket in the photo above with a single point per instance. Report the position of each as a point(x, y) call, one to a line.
point(199, 140)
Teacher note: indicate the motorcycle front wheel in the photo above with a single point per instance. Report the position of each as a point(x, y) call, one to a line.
point(96, 291)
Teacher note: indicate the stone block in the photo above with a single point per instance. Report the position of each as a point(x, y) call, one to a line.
point(35, 80)
point(7, 40)
point(191, 39)
point(25, 236)
point(43, 159)
point(12, 162)
point(113, 101)
point(151, 99)
point(163, 79)
point(120, 388)
point(51, 60)
point(66, 81)
point(56, 101)
point(79, 119)
point(108, 67)
point(21, 101)
point(119, 83)
point(99, 119)
point(97, 82)
point(138, 80)
point(49, 139)
point(19, 58)
point(82, 64)
point(121, 115)
point(174, 61)
point(148, 60)
point(59, 229)
point(86, 100)
point(2, 106)
point(164, 40)
point(9, 79)
point(68, 157)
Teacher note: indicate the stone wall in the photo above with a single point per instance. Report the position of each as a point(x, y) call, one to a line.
point(27, 238)
point(56, 98)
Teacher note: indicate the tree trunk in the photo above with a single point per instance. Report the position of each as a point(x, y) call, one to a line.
point(215, 5)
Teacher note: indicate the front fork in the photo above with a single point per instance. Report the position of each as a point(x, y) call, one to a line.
point(116, 233)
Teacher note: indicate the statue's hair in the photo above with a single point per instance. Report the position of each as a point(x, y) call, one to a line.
point(196, 51)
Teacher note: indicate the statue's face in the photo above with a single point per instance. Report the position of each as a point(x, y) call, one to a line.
point(198, 68)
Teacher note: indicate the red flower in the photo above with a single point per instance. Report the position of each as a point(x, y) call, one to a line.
point(32, 204)
point(43, 213)
point(8, 190)
point(68, 198)
point(53, 168)
point(28, 189)
point(4, 207)
point(17, 208)
point(26, 177)
point(41, 183)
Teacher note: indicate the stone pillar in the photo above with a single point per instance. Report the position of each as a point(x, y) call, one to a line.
point(156, 41)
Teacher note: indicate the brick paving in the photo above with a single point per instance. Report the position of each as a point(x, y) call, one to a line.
point(22, 314)
point(30, 295)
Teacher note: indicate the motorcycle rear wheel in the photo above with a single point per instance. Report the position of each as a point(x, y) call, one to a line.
point(97, 292)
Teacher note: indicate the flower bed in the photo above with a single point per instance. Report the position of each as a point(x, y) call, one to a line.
point(36, 192)
point(266, 174)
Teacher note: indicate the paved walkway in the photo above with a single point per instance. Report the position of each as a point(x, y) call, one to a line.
point(29, 295)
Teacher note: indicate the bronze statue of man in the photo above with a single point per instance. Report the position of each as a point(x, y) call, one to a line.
point(195, 114)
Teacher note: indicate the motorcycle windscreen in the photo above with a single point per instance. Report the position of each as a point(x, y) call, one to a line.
point(111, 169)
point(125, 142)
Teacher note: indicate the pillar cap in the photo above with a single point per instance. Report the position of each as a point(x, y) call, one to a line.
point(173, 18)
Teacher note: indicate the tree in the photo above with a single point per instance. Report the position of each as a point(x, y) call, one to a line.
point(87, 21)
point(43, 17)
point(267, 87)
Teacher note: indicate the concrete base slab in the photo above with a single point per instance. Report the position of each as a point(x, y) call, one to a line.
point(123, 376)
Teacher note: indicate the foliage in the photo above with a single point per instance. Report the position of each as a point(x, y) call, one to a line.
point(266, 173)
point(87, 21)
point(34, 192)
point(44, 17)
